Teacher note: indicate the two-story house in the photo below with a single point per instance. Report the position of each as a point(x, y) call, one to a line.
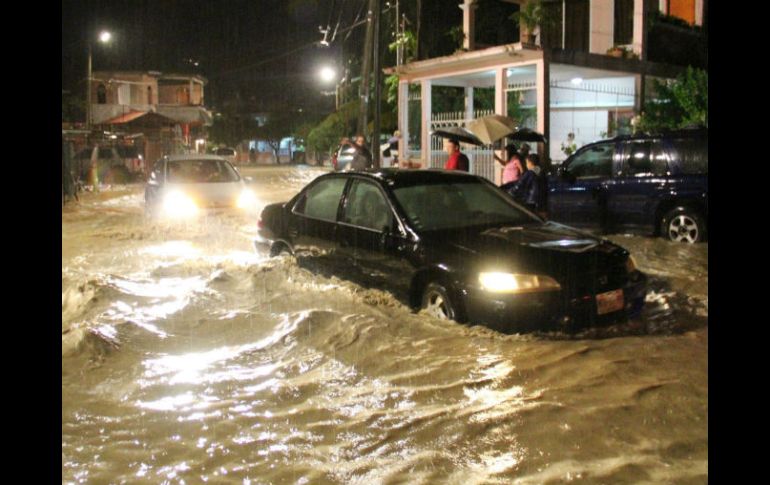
point(167, 109)
point(586, 72)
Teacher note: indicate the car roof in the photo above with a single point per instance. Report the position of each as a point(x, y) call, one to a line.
point(398, 177)
point(680, 133)
point(193, 156)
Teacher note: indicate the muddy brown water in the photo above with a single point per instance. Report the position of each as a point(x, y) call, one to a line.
point(187, 357)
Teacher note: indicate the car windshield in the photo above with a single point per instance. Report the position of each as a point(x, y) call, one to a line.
point(457, 205)
point(200, 171)
point(128, 151)
point(225, 152)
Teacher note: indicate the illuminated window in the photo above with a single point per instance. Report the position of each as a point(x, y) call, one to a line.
point(683, 9)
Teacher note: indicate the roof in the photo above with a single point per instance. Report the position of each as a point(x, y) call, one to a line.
point(135, 115)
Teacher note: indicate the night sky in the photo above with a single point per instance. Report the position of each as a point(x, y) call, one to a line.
point(240, 46)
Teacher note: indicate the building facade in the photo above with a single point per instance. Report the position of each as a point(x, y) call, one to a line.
point(586, 72)
point(166, 110)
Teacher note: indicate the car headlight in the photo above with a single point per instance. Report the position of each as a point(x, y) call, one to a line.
point(516, 283)
point(178, 205)
point(247, 199)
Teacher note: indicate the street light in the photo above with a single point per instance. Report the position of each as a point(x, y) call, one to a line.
point(328, 74)
point(104, 38)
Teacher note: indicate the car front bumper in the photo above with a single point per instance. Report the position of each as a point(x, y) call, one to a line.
point(552, 310)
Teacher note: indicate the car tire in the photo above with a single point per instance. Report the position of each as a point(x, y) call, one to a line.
point(279, 248)
point(437, 302)
point(684, 225)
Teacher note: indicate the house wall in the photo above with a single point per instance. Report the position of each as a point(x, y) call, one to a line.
point(180, 93)
point(133, 86)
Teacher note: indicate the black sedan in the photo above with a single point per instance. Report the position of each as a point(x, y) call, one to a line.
point(457, 246)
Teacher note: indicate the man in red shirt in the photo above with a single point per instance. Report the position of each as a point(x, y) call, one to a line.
point(456, 160)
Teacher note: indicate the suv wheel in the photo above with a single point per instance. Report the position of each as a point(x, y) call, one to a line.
point(683, 225)
point(437, 303)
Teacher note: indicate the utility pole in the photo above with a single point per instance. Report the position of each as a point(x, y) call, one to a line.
point(366, 68)
point(399, 33)
point(377, 87)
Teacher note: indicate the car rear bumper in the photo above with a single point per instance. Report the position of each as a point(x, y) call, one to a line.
point(549, 310)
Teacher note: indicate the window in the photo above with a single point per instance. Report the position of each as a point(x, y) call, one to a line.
point(126, 151)
point(200, 171)
point(684, 9)
point(457, 205)
point(577, 13)
point(624, 22)
point(322, 199)
point(101, 94)
point(567, 25)
point(593, 162)
point(367, 207)
point(645, 159)
point(692, 155)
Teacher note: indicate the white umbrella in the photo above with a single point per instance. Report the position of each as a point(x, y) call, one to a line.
point(491, 128)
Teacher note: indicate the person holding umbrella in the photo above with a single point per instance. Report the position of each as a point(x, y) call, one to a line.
point(456, 159)
point(512, 168)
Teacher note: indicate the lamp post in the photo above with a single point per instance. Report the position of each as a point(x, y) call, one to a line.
point(104, 37)
point(328, 74)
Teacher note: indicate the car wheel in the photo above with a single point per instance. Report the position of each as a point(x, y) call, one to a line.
point(437, 303)
point(683, 225)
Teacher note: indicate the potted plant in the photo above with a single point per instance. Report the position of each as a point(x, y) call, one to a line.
point(531, 16)
point(616, 51)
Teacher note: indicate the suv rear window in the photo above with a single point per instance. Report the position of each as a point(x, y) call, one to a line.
point(691, 154)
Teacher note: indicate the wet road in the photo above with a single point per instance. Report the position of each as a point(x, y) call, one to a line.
point(189, 358)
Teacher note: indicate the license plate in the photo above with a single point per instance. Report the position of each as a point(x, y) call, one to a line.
point(609, 302)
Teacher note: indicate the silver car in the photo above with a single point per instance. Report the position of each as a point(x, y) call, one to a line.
point(183, 186)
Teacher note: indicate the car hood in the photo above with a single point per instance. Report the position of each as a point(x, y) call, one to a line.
point(548, 248)
point(210, 194)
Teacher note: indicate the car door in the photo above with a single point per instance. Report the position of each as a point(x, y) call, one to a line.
point(641, 184)
point(371, 238)
point(579, 194)
point(312, 227)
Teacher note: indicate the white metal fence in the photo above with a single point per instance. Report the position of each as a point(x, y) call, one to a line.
point(481, 159)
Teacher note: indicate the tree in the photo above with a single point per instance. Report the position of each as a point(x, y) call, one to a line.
point(230, 129)
point(326, 136)
point(277, 127)
point(678, 103)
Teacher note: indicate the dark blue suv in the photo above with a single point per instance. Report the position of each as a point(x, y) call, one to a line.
point(650, 183)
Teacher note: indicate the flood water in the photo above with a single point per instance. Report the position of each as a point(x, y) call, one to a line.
point(187, 357)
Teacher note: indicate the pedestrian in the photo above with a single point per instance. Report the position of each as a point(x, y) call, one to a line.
point(531, 189)
point(456, 159)
point(513, 169)
point(394, 141)
point(363, 157)
point(524, 150)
